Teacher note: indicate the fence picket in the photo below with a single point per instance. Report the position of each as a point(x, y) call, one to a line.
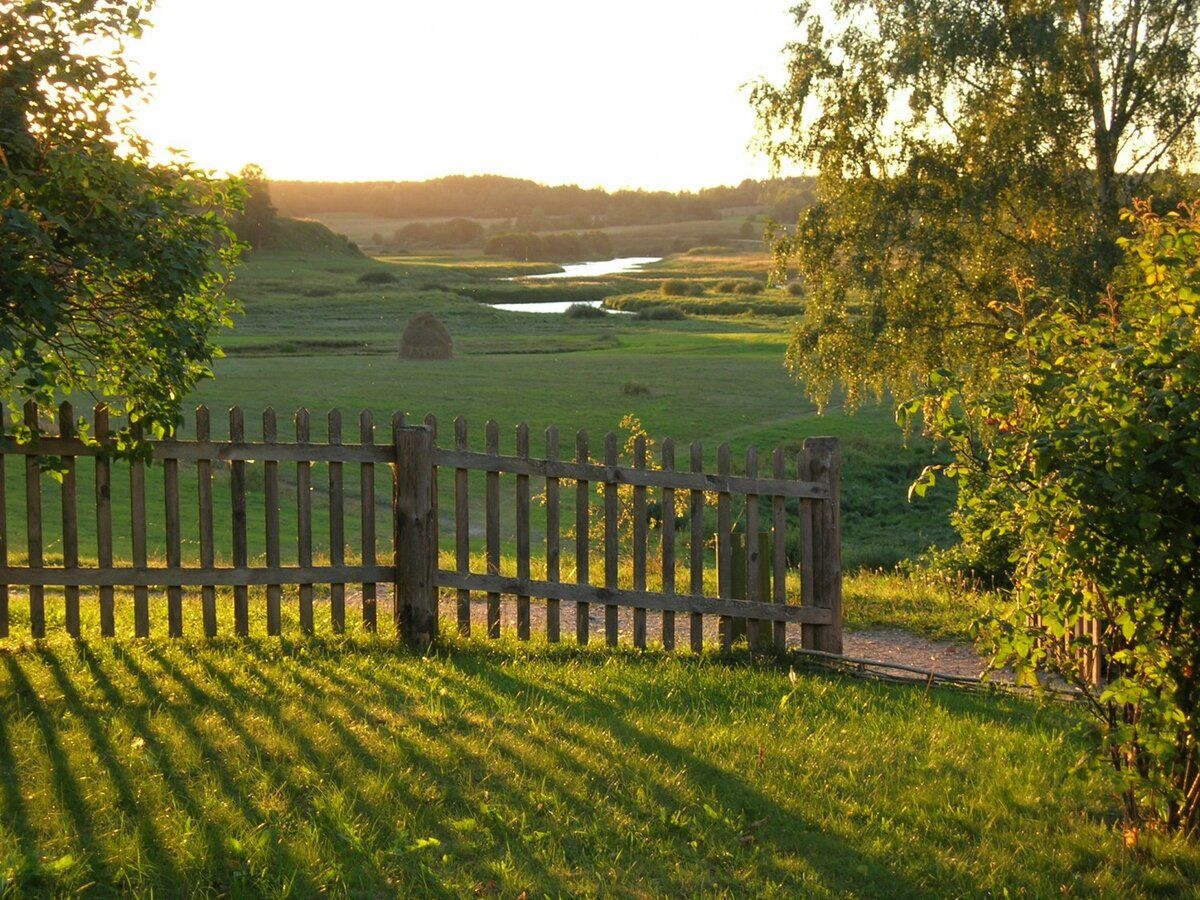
point(271, 502)
point(696, 547)
point(304, 521)
point(366, 480)
point(4, 594)
point(724, 549)
point(237, 493)
point(337, 525)
point(523, 533)
point(583, 542)
point(639, 542)
point(462, 527)
point(779, 561)
point(611, 537)
point(752, 626)
point(553, 539)
point(104, 552)
point(174, 546)
point(668, 544)
point(70, 519)
point(137, 523)
point(432, 424)
point(492, 501)
point(807, 557)
point(33, 527)
point(208, 592)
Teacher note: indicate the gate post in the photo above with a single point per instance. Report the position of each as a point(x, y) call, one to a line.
point(414, 537)
point(824, 459)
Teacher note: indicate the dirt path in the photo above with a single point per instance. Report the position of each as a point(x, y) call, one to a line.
point(882, 645)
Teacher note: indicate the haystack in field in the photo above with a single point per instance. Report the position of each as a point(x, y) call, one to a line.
point(425, 337)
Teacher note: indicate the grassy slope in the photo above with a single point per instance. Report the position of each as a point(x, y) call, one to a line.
point(357, 769)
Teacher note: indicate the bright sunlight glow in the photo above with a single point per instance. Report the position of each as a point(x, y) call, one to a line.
point(616, 94)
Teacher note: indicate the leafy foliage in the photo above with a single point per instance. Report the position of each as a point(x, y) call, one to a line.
point(113, 268)
point(1087, 455)
point(956, 143)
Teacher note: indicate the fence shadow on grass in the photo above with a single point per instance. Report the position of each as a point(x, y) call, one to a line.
point(345, 762)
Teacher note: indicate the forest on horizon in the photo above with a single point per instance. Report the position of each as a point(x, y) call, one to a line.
point(535, 205)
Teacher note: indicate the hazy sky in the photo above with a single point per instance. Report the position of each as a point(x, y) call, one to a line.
point(609, 92)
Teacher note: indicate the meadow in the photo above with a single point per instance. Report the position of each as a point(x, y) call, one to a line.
point(337, 765)
point(280, 768)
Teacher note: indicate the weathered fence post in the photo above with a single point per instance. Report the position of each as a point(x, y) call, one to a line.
point(414, 536)
point(824, 460)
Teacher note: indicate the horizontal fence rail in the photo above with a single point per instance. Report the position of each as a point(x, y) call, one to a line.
point(618, 529)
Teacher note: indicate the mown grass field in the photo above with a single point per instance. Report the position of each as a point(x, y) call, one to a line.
point(351, 768)
point(346, 766)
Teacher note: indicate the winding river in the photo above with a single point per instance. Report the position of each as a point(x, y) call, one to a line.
point(577, 270)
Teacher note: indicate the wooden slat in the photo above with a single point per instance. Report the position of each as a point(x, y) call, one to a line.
point(639, 543)
point(366, 434)
point(398, 448)
point(807, 563)
point(33, 526)
point(668, 544)
point(779, 546)
point(304, 521)
point(611, 545)
point(583, 503)
point(462, 527)
point(825, 461)
point(104, 553)
point(137, 524)
point(208, 594)
point(492, 503)
point(174, 548)
point(70, 518)
point(751, 626)
point(553, 540)
point(698, 605)
point(724, 548)
point(523, 533)
point(271, 523)
point(696, 547)
point(735, 484)
point(337, 526)
point(431, 423)
point(4, 592)
point(160, 576)
point(237, 493)
point(218, 451)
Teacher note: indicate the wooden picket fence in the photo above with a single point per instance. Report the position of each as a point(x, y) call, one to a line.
point(809, 482)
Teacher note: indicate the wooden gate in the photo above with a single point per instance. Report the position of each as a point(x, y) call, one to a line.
point(647, 523)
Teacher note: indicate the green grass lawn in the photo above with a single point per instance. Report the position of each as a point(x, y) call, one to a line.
point(348, 767)
point(352, 768)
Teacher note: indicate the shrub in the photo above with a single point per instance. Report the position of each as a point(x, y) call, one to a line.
point(726, 286)
point(748, 287)
point(634, 389)
point(377, 276)
point(585, 311)
point(796, 289)
point(425, 337)
point(680, 287)
point(1080, 453)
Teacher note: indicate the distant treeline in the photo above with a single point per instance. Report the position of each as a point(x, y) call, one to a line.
point(550, 247)
point(532, 206)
